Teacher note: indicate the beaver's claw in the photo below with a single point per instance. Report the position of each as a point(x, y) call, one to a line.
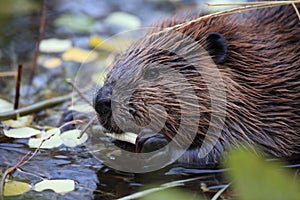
point(148, 141)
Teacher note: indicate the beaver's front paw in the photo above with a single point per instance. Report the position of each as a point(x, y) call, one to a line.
point(148, 141)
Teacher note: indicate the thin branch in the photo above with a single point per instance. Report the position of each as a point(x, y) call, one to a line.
point(37, 45)
point(87, 126)
point(34, 108)
point(228, 12)
point(296, 10)
point(251, 3)
point(9, 73)
point(9, 171)
point(20, 163)
point(18, 84)
point(79, 92)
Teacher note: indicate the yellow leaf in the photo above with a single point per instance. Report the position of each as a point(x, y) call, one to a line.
point(52, 63)
point(15, 188)
point(79, 55)
point(99, 43)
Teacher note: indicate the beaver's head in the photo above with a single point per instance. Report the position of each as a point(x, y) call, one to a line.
point(163, 82)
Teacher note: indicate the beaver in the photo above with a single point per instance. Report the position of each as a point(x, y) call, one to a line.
point(246, 63)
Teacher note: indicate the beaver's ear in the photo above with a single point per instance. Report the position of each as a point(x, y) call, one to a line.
point(216, 47)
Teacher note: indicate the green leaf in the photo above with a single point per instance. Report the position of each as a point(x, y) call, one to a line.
point(15, 188)
point(253, 178)
point(58, 186)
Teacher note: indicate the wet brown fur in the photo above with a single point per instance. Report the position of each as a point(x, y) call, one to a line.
point(261, 75)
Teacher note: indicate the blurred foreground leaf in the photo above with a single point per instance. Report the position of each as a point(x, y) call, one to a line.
point(253, 178)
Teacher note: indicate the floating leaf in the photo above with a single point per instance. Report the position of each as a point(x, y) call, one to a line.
point(5, 106)
point(20, 122)
point(255, 178)
point(70, 138)
point(85, 108)
point(114, 44)
point(124, 20)
point(15, 188)
point(126, 137)
point(52, 63)
point(79, 55)
point(52, 140)
point(24, 132)
point(58, 186)
point(54, 45)
point(98, 42)
point(80, 23)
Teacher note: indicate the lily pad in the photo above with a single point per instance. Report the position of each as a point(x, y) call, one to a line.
point(24, 132)
point(58, 186)
point(70, 138)
point(15, 188)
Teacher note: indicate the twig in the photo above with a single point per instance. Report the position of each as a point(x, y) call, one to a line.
point(34, 108)
point(251, 3)
point(19, 164)
point(86, 127)
point(71, 122)
point(9, 73)
point(18, 83)
point(156, 189)
point(228, 12)
point(218, 194)
point(8, 171)
point(79, 92)
point(37, 45)
point(296, 10)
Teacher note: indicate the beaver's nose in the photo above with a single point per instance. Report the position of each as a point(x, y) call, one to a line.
point(102, 101)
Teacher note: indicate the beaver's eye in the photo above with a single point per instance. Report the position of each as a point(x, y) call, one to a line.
point(151, 74)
